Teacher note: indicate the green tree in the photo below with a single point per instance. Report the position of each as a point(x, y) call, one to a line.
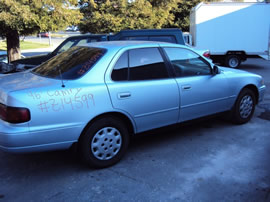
point(114, 15)
point(25, 17)
point(182, 12)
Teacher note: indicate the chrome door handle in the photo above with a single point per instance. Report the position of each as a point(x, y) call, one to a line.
point(124, 95)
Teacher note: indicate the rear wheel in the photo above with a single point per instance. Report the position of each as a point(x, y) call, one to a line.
point(244, 107)
point(104, 143)
point(233, 61)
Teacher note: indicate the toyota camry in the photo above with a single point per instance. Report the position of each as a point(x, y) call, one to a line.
point(98, 95)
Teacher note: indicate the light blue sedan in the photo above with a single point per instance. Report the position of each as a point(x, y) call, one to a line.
point(98, 95)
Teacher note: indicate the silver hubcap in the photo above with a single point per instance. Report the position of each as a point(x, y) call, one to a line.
point(233, 62)
point(106, 143)
point(246, 106)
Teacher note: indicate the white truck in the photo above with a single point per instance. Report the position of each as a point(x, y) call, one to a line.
point(231, 31)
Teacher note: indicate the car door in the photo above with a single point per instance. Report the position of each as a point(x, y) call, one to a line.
point(140, 86)
point(201, 92)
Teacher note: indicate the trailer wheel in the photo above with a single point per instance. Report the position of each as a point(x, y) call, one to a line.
point(232, 61)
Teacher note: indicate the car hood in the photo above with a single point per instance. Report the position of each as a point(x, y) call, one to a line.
point(228, 70)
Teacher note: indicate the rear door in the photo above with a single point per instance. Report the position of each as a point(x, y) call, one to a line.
point(140, 86)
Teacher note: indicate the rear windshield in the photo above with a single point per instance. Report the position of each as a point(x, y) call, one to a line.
point(71, 64)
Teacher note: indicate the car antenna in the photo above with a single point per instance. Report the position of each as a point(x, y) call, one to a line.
point(63, 85)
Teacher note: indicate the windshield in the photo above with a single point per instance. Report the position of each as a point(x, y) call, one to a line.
point(70, 64)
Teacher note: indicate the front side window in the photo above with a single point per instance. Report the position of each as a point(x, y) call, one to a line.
point(140, 64)
point(70, 64)
point(187, 63)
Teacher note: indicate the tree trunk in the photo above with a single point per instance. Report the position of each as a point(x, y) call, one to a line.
point(13, 46)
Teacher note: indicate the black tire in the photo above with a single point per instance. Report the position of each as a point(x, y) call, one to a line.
point(244, 107)
point(104, 142)
point(233, 61)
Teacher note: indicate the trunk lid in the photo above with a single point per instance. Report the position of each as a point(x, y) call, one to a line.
point(22, 81)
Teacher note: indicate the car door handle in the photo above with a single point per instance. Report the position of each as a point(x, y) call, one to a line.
point(186, 87)
point(124, 95)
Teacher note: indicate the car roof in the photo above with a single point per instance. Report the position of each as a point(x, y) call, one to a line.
point(130, 43)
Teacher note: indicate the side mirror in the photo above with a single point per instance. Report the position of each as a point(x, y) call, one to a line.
point(215, 70)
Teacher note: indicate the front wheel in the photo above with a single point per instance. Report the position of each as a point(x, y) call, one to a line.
point(244, 107)
point(104, 143)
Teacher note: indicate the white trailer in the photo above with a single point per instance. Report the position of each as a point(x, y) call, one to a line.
point(231, 31)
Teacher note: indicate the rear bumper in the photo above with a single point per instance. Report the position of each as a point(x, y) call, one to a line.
point(18, 139)
point(8, 147)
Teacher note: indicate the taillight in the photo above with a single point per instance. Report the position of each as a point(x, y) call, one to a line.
point(206, 54)
point(14, 114)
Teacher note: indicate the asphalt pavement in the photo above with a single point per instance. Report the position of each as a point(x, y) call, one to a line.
point(210, 160)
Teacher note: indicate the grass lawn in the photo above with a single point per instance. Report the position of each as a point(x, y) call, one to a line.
point(25, 45)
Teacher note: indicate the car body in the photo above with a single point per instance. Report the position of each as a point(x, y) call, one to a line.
point(43, 34)
point(99, 94)
point(3, 56)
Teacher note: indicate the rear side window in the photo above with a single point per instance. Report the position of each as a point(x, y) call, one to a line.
point(70, 64)
point(140, 64)
point(145, 64)
point(120, 71)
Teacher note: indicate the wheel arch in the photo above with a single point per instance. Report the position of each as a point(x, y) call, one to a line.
point(254, 89)
point(119, 115)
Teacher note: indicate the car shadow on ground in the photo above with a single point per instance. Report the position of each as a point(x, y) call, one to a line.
point(70, 160)
point(175, 132)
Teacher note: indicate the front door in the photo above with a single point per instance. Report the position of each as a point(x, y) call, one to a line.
point(201, 92)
